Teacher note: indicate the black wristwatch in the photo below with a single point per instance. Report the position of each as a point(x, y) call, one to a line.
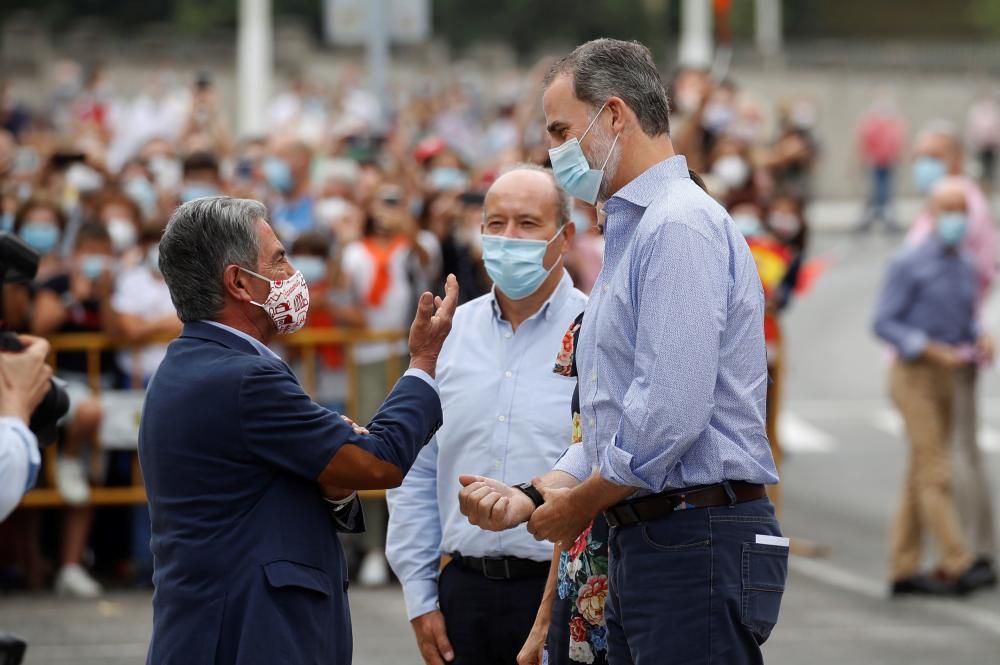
point(533, 494)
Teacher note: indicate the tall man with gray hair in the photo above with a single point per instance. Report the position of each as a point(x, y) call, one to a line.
point(673, 380)
point(248, 479)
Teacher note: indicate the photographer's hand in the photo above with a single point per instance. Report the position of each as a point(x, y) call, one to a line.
point(24, 378)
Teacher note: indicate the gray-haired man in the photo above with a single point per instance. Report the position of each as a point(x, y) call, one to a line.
point(237, 460)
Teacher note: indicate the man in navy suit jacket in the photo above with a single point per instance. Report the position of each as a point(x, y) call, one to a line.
point(248, 479)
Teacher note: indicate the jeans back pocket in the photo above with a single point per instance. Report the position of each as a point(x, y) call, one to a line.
point(765, 568)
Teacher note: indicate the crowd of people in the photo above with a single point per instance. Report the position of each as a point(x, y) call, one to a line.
point(377, 203)
point(374, 204)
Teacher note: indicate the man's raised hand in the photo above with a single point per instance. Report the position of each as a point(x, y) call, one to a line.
point(431, 326)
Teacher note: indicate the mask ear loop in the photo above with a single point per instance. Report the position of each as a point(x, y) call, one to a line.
point(247, 270)
point(587, 131)
point(611, 152)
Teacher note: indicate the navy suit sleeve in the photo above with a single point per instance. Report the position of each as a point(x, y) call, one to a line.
point(283, 427)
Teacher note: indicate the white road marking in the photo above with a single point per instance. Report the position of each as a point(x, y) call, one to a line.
point(890, 422)
point(799, 436)
point(846, 580)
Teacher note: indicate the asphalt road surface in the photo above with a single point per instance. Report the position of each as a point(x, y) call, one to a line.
point(843, 472)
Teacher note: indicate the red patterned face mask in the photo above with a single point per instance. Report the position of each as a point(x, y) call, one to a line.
point(287, 303)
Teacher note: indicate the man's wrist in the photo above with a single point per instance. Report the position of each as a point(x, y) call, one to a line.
point(424, 364)
point(19, 411)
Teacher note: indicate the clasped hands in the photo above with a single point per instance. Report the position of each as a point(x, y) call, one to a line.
point(495, 506)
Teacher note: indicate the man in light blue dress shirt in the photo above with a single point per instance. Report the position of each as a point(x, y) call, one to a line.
point(506, 414)
point(673, 382)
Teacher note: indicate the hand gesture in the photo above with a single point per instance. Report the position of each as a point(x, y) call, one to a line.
point(24, 378)
point(492, 505)
point(431, 326)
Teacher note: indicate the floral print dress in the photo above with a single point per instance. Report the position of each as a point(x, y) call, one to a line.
point(577, 633)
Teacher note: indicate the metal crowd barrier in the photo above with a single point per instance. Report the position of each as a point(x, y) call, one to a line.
point(308, 342)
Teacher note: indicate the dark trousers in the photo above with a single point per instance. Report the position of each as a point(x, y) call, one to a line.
point(695, 588)
point(487, 620)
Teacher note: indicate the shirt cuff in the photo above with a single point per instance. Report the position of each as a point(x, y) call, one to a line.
point(424, 376)
point(913, 344)
point(574, 462)
point(616, 467)
point(340, 503)
point(421, 597)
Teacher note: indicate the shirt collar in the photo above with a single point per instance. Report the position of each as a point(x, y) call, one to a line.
point(641, 190)
point(254, 342)
point(546, 309)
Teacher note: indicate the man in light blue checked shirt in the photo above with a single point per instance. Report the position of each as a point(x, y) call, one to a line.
point(673, 383)
point(506, 414)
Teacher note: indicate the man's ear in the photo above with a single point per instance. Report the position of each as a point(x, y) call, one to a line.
point(569, 230)
point(619, 112)
point(235, 284)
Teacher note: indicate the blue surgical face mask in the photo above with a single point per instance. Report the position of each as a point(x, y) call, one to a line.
point(749, 225)
point(447, 178)
point(572, 170)
point(143, 193)
point(93, 265)
point(951, 227)
point(927, 171)
point(153, 258)
point(197, 191)
point(581, 220)
point(278, 174)
point(313, 268)
point(516, 265)
point(40, 236)
point(7, 222)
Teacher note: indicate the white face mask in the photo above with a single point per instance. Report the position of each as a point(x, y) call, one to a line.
point(732, 171)
point(123, 234)
point(287, 302)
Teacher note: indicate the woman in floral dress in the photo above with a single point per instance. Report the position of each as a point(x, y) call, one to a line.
point(569, 627)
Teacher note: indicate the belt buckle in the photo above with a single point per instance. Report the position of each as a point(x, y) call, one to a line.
point(623, 515)
point(486, 569)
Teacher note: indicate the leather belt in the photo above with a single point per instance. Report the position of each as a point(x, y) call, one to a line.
point(503, 567)
point(658, 506)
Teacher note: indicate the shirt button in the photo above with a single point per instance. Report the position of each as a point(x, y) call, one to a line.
point(508, 374)
point(496, 464)
point(508, 335)
point(502, 418)
point(605, 288)
point(591, 422)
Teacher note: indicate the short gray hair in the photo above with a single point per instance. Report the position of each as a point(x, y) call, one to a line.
point(564, 204)
point(202, 238)
point(605, 68)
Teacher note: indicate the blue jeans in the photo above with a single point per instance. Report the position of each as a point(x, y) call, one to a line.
point(695, 588)
point(881, 189)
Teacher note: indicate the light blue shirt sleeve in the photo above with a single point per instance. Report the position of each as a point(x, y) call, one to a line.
point(19, 462)
point(682, 312)
point(574, 462)
point(413, 542)
point(421, 374)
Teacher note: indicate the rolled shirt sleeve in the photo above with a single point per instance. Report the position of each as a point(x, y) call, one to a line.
point(682, 310)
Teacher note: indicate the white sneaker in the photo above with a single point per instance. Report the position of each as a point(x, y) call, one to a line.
point(71, 480)
point(374, 570)
point(73, 580)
